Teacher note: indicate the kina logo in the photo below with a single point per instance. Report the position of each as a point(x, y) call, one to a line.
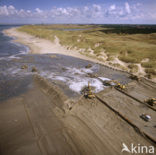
point(137, 149)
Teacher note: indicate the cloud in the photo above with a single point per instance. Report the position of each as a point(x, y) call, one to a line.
point(112, 7)
point(38, 10)
point(10, 11)
point(87, 14)
point(96, 7)
point(127, 7)
point(4, 10)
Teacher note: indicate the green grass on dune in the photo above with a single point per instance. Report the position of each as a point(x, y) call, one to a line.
point(114, 41)
point(149, 64)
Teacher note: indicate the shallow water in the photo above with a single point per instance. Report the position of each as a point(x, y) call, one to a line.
point(67, 72)
point(7, 47)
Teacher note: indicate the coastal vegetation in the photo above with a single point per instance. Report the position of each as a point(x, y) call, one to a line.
point(130, 44)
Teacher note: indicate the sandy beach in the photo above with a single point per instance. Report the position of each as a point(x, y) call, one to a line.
point(78, 77)
point(42, 46)
point(39, 118)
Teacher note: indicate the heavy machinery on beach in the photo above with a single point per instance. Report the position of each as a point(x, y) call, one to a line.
point(114, 83)
point(88, 92)
point(151, 101)
point(135, 77)
point(119, 85)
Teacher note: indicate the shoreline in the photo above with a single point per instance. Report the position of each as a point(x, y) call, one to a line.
point(43, 46)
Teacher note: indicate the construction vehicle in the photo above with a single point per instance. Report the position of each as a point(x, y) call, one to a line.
point(119, 85)
point(92, 75)
point(34, 69)
point(88, 92)
point(114, 83)
point(88, 66)
point(145, 117)
point(134, 77)
point(24, 67)
point(151, 101)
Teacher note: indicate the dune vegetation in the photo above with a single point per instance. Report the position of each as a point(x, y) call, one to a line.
point(131, 44)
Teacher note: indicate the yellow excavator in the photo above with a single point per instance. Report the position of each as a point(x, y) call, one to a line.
point(151, 101)
point(119, 85)
point(115, 84)
point(88, 92)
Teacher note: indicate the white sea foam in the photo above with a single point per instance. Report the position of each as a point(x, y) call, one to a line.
point(44, 74)
point(14, 57)
point(79, 84)
point(12, 71)
point(97, 84)
point(50, 75)
point(75, 71)
point(76, 79)
point(61, 78)
point(3, 58)
point(15, 71)
point(104, 79)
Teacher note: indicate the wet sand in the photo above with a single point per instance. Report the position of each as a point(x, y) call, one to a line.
point(44, 121)
point(67, 72)
point(40, 119)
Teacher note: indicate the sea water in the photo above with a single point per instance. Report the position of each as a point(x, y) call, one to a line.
point(67, 72)
point(7, 47)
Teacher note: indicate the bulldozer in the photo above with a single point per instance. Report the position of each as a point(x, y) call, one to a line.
point(88, 92)
point(151, 101)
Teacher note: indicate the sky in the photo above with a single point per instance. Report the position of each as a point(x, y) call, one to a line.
point(78, 11)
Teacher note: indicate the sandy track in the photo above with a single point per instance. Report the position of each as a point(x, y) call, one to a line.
point(142, 89)
point(131, 109)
